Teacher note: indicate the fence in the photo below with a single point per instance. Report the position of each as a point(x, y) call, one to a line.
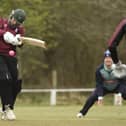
point(53, 92)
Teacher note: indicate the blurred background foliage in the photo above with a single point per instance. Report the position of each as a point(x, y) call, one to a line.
point(76, 33)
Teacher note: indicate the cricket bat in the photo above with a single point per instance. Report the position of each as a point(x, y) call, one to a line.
point(33, 41)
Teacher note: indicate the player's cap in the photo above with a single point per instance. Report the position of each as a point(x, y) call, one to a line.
point(107, 53)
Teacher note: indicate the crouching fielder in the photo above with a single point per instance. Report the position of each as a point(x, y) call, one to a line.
point(10, 31)
point(106, 83)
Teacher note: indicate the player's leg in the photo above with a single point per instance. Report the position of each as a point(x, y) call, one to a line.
point(116, 39)
point(5, 90)
point(5, 87)
point(6, 100)
point(16, 90)
point(113, 50)
point(6, 93)
point(89, 102)
point(122, 90)
point(99, 91)
point(16, 84)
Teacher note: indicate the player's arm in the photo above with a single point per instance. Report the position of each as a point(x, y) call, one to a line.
point(2, 30)
point(7, 36)
point(98, 78)
point(99, 86)
point(11, 39)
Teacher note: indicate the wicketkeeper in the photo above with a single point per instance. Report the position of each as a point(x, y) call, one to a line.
point(10, 32)
point(106, 83)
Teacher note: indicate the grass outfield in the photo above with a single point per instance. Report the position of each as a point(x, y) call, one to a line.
point(66, 116)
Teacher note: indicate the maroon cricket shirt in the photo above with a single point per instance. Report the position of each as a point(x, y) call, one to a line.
point(4, 27)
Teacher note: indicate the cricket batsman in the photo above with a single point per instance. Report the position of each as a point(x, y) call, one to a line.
point(106, 83)
point(11, 30)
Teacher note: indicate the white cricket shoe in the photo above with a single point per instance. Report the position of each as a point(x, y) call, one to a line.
point(9, 114)
point(3, 115)
point(79, 115)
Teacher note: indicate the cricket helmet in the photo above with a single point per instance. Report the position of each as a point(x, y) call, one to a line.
point(19, 15)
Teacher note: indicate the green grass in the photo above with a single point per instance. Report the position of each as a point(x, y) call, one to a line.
point(66, 116)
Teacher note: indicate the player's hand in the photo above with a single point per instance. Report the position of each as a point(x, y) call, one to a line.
point(100, 100)
point(18, 40)
point(8, 37)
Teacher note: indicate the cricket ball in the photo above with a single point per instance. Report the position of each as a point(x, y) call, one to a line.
point(12, 53)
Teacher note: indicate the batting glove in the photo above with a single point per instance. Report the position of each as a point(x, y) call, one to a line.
point(18, 39)
point(11, 39)
point(8, 37)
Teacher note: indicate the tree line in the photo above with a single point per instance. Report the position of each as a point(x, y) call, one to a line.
point(76, 33)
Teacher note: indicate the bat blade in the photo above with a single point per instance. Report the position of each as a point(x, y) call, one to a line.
point(33, 41)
